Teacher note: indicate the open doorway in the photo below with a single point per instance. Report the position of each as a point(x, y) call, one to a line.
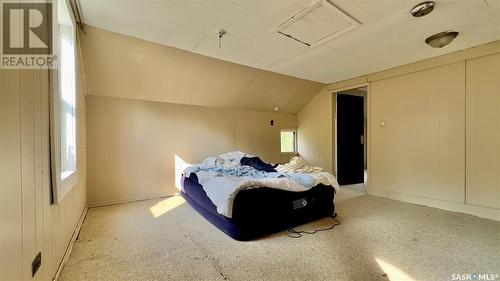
point(351, 141)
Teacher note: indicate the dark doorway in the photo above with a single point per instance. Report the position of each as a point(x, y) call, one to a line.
point(350, 139)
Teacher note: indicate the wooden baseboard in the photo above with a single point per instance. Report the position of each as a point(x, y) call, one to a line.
point(483, 212)
point(71, 243)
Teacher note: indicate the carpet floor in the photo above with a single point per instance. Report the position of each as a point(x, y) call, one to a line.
point(379, 239)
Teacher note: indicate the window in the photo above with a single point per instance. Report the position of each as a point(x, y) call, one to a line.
point(64, 154)
point(68, 100)
point(288, 141)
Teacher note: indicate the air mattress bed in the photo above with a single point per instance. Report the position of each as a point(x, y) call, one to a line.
point(261, 211)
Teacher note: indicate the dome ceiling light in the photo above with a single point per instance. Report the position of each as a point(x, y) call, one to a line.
point(441, 39)
point(423, 9)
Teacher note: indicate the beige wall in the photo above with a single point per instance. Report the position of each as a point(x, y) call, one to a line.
point(420, 150)
point(122, 66)
point(483, 134)
point(132, 145)
point(420, 155)
point(29, 224)
point(148, 102)
point(315, 135)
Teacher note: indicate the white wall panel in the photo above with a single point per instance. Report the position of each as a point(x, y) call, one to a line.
point(420, 150)
point(29, 223)
point(11, 228)
point(483, 131)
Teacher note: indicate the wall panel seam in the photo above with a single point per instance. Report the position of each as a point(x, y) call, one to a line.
point(21, 171)
point(465, 133)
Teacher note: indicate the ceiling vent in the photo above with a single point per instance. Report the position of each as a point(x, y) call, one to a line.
point(317, 24)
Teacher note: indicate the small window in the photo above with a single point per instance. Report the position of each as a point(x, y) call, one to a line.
point(288, 141)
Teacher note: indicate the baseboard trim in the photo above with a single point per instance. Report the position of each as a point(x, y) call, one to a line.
point(114, 202)
point(483, 212)
point(71, 243)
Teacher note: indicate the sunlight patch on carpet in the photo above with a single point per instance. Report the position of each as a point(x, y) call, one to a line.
point(393, 272)
point(166, 205)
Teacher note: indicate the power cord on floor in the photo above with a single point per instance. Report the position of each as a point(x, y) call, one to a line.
point(292, 233)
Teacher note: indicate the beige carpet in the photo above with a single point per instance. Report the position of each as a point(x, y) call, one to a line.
point(378, 239)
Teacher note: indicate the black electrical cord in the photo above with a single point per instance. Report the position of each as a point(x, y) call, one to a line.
point(292, 233)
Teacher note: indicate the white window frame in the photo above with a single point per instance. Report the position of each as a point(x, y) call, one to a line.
point(295, 138)
point(61, 187)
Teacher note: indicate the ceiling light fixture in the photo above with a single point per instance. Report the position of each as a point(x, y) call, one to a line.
point(441, 39)
point(423, 9)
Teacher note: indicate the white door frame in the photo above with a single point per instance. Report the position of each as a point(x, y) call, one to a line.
point(368, 126)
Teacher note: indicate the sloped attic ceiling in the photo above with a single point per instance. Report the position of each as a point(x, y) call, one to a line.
point(116, 65)
point(387, 35)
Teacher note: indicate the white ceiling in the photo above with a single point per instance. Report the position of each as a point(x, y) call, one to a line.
point(387, 37)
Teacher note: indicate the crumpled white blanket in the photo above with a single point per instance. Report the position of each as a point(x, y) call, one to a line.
point(326, 179)
point(227, 160)
point(297, 165)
